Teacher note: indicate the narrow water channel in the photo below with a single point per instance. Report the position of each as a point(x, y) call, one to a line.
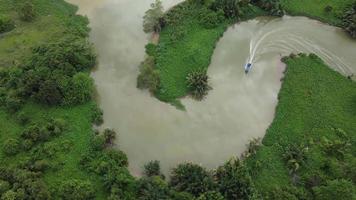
point(239, 108)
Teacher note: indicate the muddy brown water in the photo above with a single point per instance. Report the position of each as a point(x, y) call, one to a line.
point(239, 108)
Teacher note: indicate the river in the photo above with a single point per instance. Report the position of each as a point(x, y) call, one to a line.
point(239, 108)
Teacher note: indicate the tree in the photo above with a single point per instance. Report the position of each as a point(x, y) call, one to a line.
point(109, 135)
point(153, 20)
point(49, 93)
point(79, 90)
point(198, 86)
point(234, 181)
point(336, 189)
point(76, 190)
point(152, 188)
point(152, 168)
point(191, 178)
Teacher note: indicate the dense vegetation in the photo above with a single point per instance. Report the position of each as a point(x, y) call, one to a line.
point(49, 150)
point(187, 41)
point(190, 30)
point(309, 150)
point(46, 109)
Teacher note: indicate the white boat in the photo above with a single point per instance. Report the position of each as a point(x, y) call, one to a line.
point(248, 67)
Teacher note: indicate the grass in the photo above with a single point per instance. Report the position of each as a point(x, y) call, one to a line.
point(316, 9)
point(50, 23)
point(313, 101)
point(69, 146)
point(15, 47)
point(175, 60)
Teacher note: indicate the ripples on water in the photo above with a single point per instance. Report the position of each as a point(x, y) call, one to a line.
point(239, 107)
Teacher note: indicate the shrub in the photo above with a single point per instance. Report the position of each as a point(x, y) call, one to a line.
point(13, 104)
point(231, 8)
point(11, 147)
point(198, 86)
point(234, 181)
point(286, 192)
point(97, 115)
point(152, 188)
point(153, 19)
point(97, 143)
point(336, 189)
point(211, 195)
point(151, 49)
point(210, 19)
point(4, 186)
point(148, 77)
point(79, 89)
point(27, 11)
point(328, 8)
point(49, 93)
point(76, 190)
point(295, 156)
point(109, 136)
point(6, 24)
point(191, 178)
point(22, 118)
point(349, 20)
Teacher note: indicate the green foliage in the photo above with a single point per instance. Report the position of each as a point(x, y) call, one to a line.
point(152, 188)
point(79, 90)
point(76, 190)
point(6, 24)
point(25, 184)
point(286, 192)
point(349, 20)
point(314, 112)
point(198, 85)
point(153, 20)
point(151, 49)
point(11, 147)
point(210, 19)
point(186, 45)
point(149, 76)
point(316, 9)
point(97, 115)
point(109, 136)
point(295, 156)
point(211, 195)
point(234, 181)
point(336, 189)
point(27, 11)
point(274, 7)
point(231, 8)
point(152, 168)
point(191, 178)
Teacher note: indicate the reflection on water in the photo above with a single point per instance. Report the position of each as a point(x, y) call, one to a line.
point(239, 107)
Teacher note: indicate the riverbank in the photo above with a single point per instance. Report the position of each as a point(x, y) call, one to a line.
point(315, 122)
point(187, 45)
point(175, 60)
point(327, 11)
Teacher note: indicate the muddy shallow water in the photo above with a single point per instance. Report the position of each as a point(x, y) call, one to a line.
point(239, 108)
